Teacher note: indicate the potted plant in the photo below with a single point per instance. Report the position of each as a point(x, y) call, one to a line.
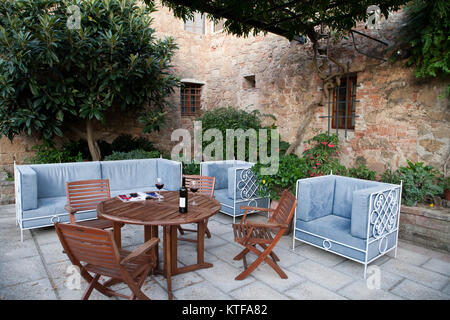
point(445, 184)
point(291, 168)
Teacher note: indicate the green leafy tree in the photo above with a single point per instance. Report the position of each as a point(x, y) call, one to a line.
point(53, 72)
point(426, 36)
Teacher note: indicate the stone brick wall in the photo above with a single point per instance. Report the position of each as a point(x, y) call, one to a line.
point(427, 227)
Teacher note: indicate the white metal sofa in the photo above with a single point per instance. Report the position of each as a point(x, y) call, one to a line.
point(41, 194)
point(354, 218)
point(235, 185)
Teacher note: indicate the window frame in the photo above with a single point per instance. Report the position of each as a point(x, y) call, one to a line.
point(346, 114)
point(195, 21)
point(188, 91)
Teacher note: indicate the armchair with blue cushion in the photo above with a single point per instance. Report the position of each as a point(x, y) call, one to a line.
point(357, 219)
point(235, 185)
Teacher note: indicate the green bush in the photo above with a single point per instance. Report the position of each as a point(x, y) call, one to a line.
point(191, 168)
point(420, 182)
point(48, 153)
point(291, 168)
point(126, 143)
point(224, 118)
point(321, 155)
point(134, 154)
point(362, 172)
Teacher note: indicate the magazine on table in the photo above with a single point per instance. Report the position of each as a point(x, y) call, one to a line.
point(139, 196)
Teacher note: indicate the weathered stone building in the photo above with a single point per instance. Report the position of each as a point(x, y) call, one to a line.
point(397, 117)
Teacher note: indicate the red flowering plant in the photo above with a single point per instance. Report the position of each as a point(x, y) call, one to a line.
point(322, 155)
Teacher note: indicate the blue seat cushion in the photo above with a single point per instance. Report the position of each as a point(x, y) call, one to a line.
point(52, 178)
point(332, 227)
point(130, 174)
point(47, 207)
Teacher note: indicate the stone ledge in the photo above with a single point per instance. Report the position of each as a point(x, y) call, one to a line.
point(426, 227)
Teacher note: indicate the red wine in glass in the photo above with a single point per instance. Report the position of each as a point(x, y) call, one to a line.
point(194, 188)
point(159, 184)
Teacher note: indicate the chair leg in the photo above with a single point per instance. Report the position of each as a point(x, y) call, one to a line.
point(241, 254)
point(272, 254)
point(262, 256)
point(180, 229)
point(91, 286)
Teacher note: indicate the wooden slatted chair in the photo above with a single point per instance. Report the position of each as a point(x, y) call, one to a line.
point(94, 251)
point(85, 195)
point(205, 186)
point(250, 234)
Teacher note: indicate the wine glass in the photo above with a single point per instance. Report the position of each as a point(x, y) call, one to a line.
point(194, 188)
point(159, 184)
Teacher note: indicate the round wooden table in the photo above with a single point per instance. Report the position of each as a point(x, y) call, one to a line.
point(153, 213)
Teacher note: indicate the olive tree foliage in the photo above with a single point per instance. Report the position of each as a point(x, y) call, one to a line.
point(63, 60)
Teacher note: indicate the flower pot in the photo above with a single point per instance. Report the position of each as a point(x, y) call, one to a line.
point(447, 194)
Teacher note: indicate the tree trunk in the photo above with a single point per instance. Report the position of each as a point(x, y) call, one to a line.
point(92, 143)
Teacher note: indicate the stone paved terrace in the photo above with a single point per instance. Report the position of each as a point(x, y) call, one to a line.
point(36, 269)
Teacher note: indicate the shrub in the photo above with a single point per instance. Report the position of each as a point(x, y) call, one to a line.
point(232, 118)
point(291, 168)
point(362, 172)
point(321, 155)
point(419, 182)
point(191, 168)
point(48, 153)
point(126, 143)
point(134, 154)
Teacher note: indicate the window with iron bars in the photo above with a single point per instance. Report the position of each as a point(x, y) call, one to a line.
point(190, 98)
point(342, 104)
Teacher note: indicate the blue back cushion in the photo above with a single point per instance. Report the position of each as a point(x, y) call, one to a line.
point(127, 174)
point(219, 170)
point(315, 197)
point(343, 194)
point(52, 178)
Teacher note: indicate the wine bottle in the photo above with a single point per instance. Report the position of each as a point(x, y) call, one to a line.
point(183, 198)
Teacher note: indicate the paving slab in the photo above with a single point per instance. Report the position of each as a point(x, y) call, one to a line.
point(222, 276)
point(53, 253)
point(359, 290)
point(16, 250)
point(414, 291)
point(438, 265)
point(179, 281)
point(428, 278)
point(356, 270)
point(324, 276)
point(201, 291)
point(21, 271)
point(264, 273)
point(257, 291)
point(311, 291)
point(411, 257)
point(33, 290)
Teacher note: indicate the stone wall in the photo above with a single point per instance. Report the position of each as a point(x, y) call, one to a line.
point(399, 117)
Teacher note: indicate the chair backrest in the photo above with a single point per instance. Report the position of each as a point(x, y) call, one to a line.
point(285, 210)
point(86, 194)
point(89, 245)
point(205, 184)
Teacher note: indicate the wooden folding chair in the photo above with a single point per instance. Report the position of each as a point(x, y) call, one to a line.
point(85, 195)
point(205, 186)
point(250, 234)
point(94, 250)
